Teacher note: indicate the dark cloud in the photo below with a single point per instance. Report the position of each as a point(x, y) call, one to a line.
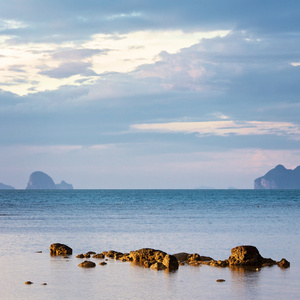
point(59, 20)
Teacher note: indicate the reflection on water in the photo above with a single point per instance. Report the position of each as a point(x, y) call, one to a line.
point(245, 281)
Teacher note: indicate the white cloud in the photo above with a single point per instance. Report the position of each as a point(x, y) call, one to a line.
point(123, 53)
point(120, 16)
point(224, 128)
point(11, 24)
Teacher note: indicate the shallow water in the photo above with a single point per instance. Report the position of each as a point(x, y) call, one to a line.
point(209, 222)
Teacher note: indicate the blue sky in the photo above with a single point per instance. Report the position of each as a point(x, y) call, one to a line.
point(149, 94)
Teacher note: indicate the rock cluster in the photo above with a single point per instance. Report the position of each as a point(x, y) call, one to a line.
point(241, 256)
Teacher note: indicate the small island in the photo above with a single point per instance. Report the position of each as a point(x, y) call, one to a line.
point(6, 187)
point(279, 178)
point(41, 181)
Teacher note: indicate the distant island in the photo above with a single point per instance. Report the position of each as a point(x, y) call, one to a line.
point(41, 181)
point(279, 178)
point(6, 187)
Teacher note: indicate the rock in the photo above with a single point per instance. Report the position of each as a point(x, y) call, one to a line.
point(158, 266)
point(80, 256)
point(220, 280)
point(118, 255)
point(284, 263)
point(147, 254)
point(86, 255)
point(192, 259)
point(147, 264)
point(182, 256)
point(110, 253)
point(39, 180)
point(170, 262)
point(38, 251)
point(60, 249)
point(6, 187)
point(64, 186)
point(28, 282)
point(279, 178)
point(87, 264)
point(44, 283)
point(245, 256)
point(100, 255)
point(103, 263)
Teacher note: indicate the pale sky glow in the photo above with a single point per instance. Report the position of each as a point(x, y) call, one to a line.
point(149, 94)
point(225, 128)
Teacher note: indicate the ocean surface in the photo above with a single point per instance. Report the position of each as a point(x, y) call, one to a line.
point(208, 222)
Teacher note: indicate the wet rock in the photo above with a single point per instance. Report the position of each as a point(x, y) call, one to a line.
point(147, 264)
point(60, 249)
point(44, 283)
point(220, 280)
point(103, 263)
point(147, 254)
point(284, 263)
point(86, 255)
point(110, 253)
point(87, 264)
point(154, 258)
point(28, 282)
point(80, 256)
point(182, 256)
point(38, 251)
point(91, 253)
point(118, 255)
point(268, 262)
point(158, 266)
point(99, 255)
point(245, 256)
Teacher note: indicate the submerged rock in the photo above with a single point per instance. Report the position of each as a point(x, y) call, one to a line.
point(100, 255)
point(284, 263)
point(87, 264)
point(60, 249)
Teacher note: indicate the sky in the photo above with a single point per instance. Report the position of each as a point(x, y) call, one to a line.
point(149, 94)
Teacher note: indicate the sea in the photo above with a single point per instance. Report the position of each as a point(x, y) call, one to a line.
point(207, 222)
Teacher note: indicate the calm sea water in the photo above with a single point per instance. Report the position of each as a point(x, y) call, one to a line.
point(208, 222)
